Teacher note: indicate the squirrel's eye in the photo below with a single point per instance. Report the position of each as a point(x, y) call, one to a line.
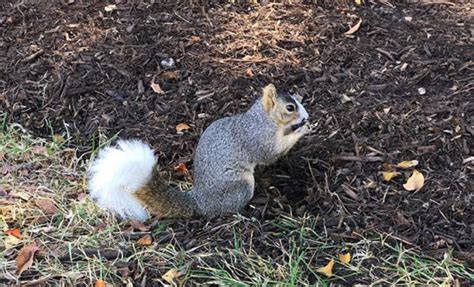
point(290, 108)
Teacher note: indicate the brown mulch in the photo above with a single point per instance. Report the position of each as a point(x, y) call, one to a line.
point(400, 88)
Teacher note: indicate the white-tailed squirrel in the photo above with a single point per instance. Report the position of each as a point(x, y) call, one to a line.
point(124, 179)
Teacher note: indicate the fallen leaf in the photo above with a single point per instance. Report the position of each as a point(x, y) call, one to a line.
point(354, 28)
point(169, 75)
point(387, 110)
point(407, 164)
point(388, 175)
point(24, 260)
point(358, 2)
point(110, 8)
point(156, 88)
point(14, 232)
point(195, 39)
point(181, 127)
point(145, 240)
point(415, 182)
point(327, 270)
point(371, 184)
point(249, 73)
point(59, 139)
point(47, 206)
point(344, 258)
point(183, 170)
point(11, 241)
point(100, 283)
point(171, 275)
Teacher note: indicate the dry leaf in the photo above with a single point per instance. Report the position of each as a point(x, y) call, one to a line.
point(354, 28)
point(182, 169)
point(415, 182)
point(407, 163)
point(145, 240)
point(181, 127)
point(327, 270)
point(24, 260)
point(358, 2)
point(100, 283)
point(11, 241)
point(249, 73)
point(14, 232)
point(388, 175)
point(47, 206)
point(156, 88)
point(371, 184)
point(171, 275)
point(59, 139)
point(170, 75)
point(344, 258)
point(195, 39)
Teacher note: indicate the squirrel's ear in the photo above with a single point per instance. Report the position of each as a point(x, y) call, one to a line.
point(269, 97)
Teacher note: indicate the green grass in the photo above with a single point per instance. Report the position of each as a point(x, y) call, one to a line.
point(233, 251)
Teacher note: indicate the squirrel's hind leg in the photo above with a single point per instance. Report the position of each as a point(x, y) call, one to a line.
point(232, 197)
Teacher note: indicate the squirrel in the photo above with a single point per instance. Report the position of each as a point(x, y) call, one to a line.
point(124, 178)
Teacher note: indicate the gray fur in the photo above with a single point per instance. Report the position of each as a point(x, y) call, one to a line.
point(225, 158)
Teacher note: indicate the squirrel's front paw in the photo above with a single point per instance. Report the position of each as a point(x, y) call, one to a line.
point(305, 129)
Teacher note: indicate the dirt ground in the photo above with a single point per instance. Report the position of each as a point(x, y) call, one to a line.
point(399, 88)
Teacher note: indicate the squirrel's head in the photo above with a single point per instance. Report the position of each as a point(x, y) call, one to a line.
point(286, 110)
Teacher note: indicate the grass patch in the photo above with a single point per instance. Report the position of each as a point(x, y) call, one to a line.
point(79, 243)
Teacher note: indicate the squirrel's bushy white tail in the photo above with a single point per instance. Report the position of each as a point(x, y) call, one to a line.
point(117, 173)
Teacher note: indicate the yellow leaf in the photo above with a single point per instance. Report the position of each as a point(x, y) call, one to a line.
point(354, 28)
point(407, 163)
point(358, 2)
point(345, 258)
point(327, 270)
point(181, 127)
point(156, 88)
point(171, 275)
point(388, 175)
point(371, 184)
point(415, 182)
point(59, 139)
point(11, 241)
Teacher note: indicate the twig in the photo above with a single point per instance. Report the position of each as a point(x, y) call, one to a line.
point(358, 158)
point(33, 56)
